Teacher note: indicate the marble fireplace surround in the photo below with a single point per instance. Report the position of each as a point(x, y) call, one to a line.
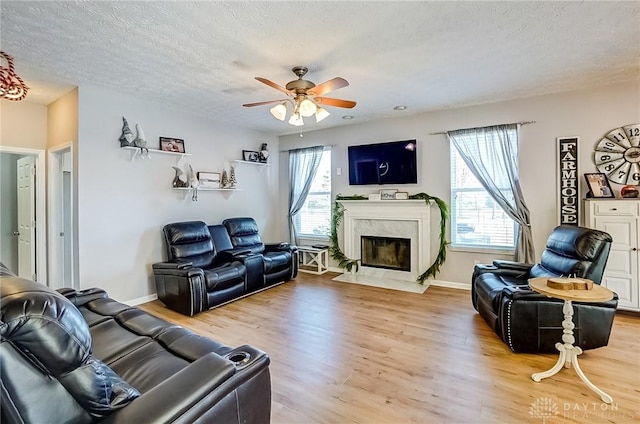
point(387, 218)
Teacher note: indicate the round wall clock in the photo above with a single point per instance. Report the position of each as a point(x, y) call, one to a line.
point(618, 155)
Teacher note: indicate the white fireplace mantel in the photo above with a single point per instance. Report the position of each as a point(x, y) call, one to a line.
point(388, 218)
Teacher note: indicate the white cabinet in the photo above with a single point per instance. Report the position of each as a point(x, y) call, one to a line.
point(621, 219)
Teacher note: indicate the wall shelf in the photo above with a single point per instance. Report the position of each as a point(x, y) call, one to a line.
point(136, 150)
point(188, 190)
point(207, 189)
point(251, 163)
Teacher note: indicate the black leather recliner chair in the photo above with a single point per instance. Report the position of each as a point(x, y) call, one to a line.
point(280, 259)
point(531, 322)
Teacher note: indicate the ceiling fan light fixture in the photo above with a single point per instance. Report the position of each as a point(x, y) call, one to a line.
point(296, 120)
point(279, 111)
point(307, 108)
point(321, 113)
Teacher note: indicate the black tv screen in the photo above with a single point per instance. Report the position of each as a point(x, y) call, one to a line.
point(383, 163)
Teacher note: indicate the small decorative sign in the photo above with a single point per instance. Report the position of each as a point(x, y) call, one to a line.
point(568, 193)
point(388, 194)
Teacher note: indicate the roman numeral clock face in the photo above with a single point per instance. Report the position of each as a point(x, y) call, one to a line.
point(618, 155)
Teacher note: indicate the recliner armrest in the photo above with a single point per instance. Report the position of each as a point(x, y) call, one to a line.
point(231, 255)
point(173, 265)
point(516, 266)
point(281, 246)
point(186, 389)
point(177, 269)
point(80, 297)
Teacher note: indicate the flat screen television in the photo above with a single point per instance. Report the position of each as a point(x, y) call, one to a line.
point(383, 163)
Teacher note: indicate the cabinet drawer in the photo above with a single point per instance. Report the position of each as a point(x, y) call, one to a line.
point(614, 207)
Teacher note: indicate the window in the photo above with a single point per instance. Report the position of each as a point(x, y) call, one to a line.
point(477, 222)
point(314, 219)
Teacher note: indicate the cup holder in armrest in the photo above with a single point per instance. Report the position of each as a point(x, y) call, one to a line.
point(239, 358)
point(246, 356)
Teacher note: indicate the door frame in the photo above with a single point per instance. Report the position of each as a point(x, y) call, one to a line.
point(41, 211)
point(54, 207)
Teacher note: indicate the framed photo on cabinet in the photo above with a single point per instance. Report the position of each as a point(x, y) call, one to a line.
point(598, 185)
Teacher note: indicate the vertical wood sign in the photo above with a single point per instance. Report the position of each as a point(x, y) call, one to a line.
point(568, 201)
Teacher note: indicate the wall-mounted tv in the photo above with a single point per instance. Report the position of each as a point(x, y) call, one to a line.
point(383, 163)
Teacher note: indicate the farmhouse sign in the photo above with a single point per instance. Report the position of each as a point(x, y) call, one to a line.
point(568, 202)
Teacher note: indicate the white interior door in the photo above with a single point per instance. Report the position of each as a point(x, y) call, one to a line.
point(26, 218)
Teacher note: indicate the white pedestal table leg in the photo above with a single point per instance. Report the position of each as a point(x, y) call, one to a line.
point(569, 354)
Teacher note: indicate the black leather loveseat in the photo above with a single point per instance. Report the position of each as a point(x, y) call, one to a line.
point(531, 322)
point(209, 265)
point(81, 357)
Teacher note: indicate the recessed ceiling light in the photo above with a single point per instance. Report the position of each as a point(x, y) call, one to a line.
point(347, 117)
point(400, 107)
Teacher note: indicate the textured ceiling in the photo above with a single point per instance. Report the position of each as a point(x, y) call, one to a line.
point(203, 56)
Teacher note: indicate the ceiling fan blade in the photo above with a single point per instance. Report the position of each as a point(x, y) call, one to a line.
point(273, 85)
point(264, 103)
point(327, 86)
point(328, 101)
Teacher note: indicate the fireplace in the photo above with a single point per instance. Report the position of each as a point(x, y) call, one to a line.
point(386, 252)
point(407, 220)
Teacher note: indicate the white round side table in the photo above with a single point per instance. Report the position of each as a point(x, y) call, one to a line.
point(568, 352)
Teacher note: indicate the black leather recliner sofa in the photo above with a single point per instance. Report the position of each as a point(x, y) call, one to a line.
point(531, 322)
point(81, 357)
point(205, 268)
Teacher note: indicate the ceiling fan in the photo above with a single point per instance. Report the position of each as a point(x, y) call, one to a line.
point(305, 97)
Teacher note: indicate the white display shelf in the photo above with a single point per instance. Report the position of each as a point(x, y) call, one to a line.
point(251, 163)
point(136, 150)
point(188, 190)
point(207, 189)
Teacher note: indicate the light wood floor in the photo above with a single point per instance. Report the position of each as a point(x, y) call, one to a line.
point(344, 353)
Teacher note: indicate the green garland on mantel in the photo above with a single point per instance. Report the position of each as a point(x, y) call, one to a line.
point(349, 264)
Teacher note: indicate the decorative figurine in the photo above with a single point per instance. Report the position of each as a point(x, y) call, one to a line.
point(224, 180)
point(232, 177)
point(193, 183)
point(141, 142)
point(126, 139)
point(177, 181)
point(264, 153)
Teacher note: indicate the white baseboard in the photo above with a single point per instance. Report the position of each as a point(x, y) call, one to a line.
point(141, 300)
point(450, 284)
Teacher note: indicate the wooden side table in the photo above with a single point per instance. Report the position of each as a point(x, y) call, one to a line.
point(568, 352)
point(313, 260)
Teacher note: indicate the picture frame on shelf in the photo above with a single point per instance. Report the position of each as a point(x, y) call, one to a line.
point(209, 179)
point(250, 156)
point(174, 145)
point(599, 186)
point(401, 195)
point(388, 194)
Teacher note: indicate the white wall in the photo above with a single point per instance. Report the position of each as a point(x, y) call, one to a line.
point(62, 128)
point(23, 124)
point(123, 205)
point(589, 114)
